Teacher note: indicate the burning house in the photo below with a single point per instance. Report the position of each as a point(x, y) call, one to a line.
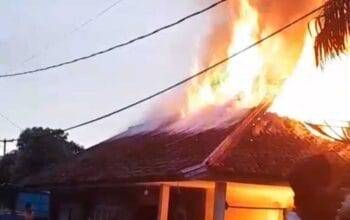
point(239, 172)
point(225, 152)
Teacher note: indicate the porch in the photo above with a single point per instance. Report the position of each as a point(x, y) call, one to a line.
point(184, 200)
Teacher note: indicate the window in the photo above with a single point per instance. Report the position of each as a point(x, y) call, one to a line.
point(186, 204)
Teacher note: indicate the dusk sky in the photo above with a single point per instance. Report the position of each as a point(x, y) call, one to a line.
point(75, 93)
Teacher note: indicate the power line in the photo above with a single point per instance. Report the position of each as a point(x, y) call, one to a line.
point(123, 44)
point(9, 140)
point(11, 121)
point(198, 73)
point(195, 75)
point(105, 10)
point(5, 141)
point(76, 29)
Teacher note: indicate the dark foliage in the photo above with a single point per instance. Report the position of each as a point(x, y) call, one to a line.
point(38, 148)
point(7, 164)
point(333, 28)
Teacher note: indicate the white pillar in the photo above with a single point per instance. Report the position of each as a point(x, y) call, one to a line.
point(220, 201)
point(163, 204)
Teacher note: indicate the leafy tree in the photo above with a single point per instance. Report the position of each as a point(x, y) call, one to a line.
point(40, 148)
point(333, 30)
point(7, 163)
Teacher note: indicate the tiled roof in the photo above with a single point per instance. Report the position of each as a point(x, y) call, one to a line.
point(267, 149)
point(148, 156)
point(272, 146)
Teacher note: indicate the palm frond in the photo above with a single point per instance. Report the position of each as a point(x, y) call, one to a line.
point(333, 28)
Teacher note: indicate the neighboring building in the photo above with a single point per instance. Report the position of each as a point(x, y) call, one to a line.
point(13, 200)
point(240, 173)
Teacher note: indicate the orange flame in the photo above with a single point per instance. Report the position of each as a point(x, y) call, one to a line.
point(317, 96)
point(308, 95)
point(257, 73)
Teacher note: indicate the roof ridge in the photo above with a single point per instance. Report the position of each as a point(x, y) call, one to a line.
point(230, 141)
point(235, 136)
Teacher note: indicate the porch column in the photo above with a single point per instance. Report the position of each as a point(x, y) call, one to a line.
point(209, 204)
point(163, 204)
point(220, 200)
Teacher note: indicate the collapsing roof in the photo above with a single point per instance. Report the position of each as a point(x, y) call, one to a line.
point(261, 148)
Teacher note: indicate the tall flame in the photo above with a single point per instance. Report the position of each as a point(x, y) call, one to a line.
point(234, 80)
point(317, 96)
point(308, 94)
point(259, 72)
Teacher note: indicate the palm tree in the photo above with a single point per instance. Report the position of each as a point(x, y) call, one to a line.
point(333, 28)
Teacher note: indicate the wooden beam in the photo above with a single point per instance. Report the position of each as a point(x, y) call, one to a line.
point(220, 200)
point(237, 134)
point(163, 205)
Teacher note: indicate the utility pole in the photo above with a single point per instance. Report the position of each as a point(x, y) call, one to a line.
point(5, 141)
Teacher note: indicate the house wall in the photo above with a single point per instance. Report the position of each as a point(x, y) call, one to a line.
point(248, 201)
point(189, 200)
point(127, 203)
point(244, 201)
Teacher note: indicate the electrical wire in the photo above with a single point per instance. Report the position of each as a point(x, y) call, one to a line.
point(123, 44)
point(11, 121)
point(73, 31)
point(198, 73)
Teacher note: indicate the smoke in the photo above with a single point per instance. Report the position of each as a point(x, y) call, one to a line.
point(271, 15)
point(210, 117)
point(215, 45)
point(282, 52)
point(187, 112)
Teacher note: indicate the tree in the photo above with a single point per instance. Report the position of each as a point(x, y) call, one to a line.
point(333, 29)
point(40, 148)
point(7, 163)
